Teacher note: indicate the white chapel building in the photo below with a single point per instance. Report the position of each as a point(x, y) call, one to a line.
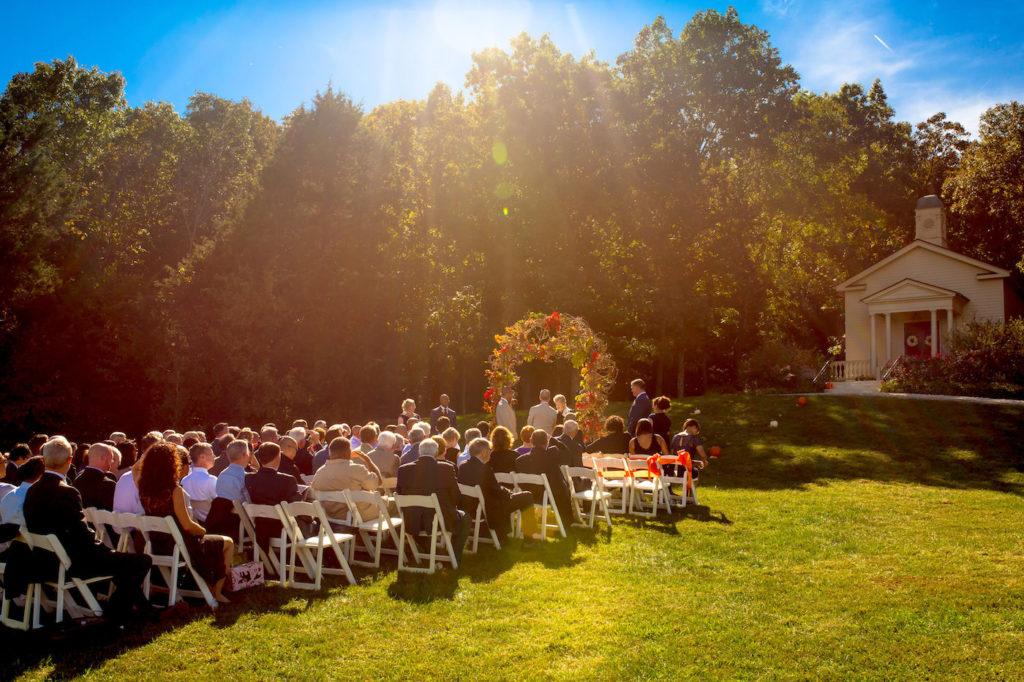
point(910, 302)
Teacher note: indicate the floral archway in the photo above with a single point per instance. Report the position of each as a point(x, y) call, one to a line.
point(555, 337)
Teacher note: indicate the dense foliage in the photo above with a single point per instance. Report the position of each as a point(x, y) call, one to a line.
point(691, 202)
point(986, 359)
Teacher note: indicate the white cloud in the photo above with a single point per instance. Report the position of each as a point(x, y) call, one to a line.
point(779, 7)
point(843, 49)
point(965, 108)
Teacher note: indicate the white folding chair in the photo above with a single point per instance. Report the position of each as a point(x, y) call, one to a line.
point(613, 472)
point(439, 535)
point(103, 522)
point(480, 517)
point(31, 594)
point(62, 585)
point(389, 484)
point(668, 496)
point(546, 503)
point(372, 532)
point(597, 496)
point(248, 513)
point(508, 480)
point(170, 565)
point(643, 485)
point(304, 548)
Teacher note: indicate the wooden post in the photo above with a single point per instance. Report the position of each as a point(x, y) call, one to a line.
point(935, 332)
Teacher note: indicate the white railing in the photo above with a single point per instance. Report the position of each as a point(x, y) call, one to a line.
point(850, 370)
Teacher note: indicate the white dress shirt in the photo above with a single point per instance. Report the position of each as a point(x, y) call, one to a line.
point(126, 495)
point(13, 505)
point(200, 486)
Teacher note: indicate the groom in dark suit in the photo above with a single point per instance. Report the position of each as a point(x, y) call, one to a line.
point(442, 410)
point(54, 507)
point(641, 405)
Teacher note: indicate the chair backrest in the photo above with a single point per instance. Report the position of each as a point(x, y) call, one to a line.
point(427, 502)
point(389, 483)
point(530, 479)
point(288, 511)
point(475, 493)
point(262, 511)
point(47, 543)
point(506, 478)
point(608, 462)
point(635, 464)
point(356, 497)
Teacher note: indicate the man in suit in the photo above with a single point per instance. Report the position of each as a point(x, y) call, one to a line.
point(641, 406)
point(53, 506)
point(542, 459)
point(442, 410)
point(417, 435)
point(95, 482)
point(499, 503)
point(383, 456)
point(269, 486)
point(504, 415)
point(428, 475)
point(542, 416)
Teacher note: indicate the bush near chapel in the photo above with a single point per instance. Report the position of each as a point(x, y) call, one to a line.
point(777, 368)
point(986, 360)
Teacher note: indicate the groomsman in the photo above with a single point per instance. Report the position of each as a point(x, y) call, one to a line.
point(641, 405)
point(504, 415)
point(442, 410)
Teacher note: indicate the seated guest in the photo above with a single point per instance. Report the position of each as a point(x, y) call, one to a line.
point(647, 442)
point(660, 419)
point(471, 435)
point(12, 505)
point(321, 457)
point(525, 434)
point(269, 434)
point(502, 457)
point(268, 485)
point(442, 424)
point(616, 442)
point(18, 455)
point(367, 440)
point(231, 482)
point(35, 443)
point(542, 459)
point(383, 456)
point(162, 495)
point(690, 441)
point(199, 484)
point(95, 482)
point(53, 506)
point(342, 472)
point(499, 503)
point(5, 488)
point(303, 457)
point(416, 436)
point(221, 461)
point(129, 453)
point(451, 442)
point(126, 491)
point(426, 476)
point(289, 449)
point(570, 443)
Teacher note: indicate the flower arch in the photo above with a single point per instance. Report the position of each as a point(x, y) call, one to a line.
point(555, 337)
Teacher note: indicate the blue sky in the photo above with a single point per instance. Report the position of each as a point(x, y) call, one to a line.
point(960, 58)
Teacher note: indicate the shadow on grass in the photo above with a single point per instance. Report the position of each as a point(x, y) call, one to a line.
point(947, 444)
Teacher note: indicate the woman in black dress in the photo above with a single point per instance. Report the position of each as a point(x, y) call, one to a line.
point(408, 412)
point(503, 457)
point(647, 442)
point(616, 442)
point(161, 495)
point(659, 418)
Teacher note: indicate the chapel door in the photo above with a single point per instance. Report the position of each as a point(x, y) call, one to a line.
point(917, 338)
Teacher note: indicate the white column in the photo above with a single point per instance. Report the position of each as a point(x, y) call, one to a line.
point(935, 332)
point(888, 337)
point(949, 320)
point(874, 352)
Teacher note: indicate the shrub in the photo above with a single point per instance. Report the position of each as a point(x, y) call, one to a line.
point(987, 360)
point(776, 368)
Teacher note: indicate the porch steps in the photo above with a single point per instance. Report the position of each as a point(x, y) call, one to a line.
point(854, 387)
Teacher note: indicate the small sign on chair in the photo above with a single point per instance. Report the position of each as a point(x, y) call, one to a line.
point(245, 575)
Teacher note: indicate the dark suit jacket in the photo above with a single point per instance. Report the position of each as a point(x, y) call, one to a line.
point(439, 412)
point(97, 488)
point(269, 486)
point(548, 462)
point(503, 461)
point(641, 408)
point(425, 476)
point(53, 506)
point(475, 471)
point(291, 467)
point(573, 448)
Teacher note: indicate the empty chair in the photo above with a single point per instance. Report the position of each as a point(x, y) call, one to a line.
point(596, 496)
point(311, 550)
point(644, 488)
point(614, 474)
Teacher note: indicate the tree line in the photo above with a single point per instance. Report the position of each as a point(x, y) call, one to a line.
point(692, 201)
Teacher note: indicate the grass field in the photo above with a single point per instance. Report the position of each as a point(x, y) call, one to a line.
point(864, 537)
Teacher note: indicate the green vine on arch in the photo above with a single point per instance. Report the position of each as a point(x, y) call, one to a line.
point(549, 338)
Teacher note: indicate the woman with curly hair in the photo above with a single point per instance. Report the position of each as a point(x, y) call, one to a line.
point(503, 457)
point(161, 495)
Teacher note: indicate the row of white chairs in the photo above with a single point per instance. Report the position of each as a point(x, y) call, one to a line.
point(640, 492)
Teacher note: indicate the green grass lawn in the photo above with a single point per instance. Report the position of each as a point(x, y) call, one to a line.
point(864, 537)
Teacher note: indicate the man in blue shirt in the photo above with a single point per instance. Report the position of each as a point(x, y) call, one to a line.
point(231, 482)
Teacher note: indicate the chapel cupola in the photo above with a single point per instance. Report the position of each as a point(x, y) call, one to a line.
point(930, 221)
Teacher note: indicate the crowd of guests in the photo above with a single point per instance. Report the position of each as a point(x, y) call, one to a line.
point(195, 480)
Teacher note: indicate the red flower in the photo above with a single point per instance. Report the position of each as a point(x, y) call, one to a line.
point(503, 350)
point(594, 356)
point(489, 394)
